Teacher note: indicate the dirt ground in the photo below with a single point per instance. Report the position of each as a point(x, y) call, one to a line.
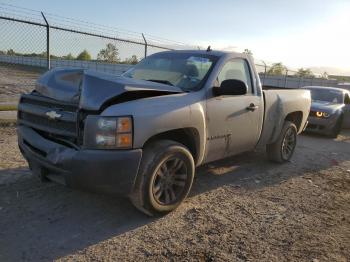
point(16, 80)
point(240, 209)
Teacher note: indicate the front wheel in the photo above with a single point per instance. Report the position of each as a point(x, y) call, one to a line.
point(165, 177)
point(282, 150)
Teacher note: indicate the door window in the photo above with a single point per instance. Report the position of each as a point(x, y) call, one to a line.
point(236, 69)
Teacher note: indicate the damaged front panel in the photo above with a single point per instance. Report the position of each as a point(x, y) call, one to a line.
point(91, 90)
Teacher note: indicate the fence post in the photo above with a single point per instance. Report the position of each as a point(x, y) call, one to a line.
point(265, 71)
point(146, 44)
point(285, 78)
point(47, 42)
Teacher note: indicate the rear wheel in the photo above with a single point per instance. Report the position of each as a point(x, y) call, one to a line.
point(282, 150)
point(165, 177)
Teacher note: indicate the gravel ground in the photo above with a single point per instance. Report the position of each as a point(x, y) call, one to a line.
point(240, 209)
point(16, 80)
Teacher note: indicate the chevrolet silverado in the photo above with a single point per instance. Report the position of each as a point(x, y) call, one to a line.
point(144, 133)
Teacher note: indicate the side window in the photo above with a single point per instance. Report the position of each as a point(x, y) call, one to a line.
point(236, 69)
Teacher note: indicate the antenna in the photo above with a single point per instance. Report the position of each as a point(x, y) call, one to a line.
point(208, 49)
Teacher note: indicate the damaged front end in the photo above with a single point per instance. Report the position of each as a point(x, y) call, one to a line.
point(51, 122)
point(93, 90)
point(94, 170)
point(64, 97)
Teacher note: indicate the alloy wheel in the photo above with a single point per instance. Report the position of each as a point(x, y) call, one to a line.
point(288, 145)
point(170, 181)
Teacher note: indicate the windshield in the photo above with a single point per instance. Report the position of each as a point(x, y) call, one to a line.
point(327, 95)
point(186, 71)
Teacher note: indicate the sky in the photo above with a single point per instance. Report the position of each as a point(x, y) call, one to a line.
point(299, 33)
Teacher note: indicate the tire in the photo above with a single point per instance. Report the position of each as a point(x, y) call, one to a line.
point(337, 128)
point(164, 179)
point(282, 150)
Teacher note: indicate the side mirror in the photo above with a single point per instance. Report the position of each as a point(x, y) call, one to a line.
point(231, 87)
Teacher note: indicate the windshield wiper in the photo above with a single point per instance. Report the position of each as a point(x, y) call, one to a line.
point(161, 81)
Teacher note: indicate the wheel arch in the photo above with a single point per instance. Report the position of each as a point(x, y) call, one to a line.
point(188, 137)
point(296, 118)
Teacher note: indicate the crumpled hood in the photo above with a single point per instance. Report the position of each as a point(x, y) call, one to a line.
point(324, 106)
point(92, 89)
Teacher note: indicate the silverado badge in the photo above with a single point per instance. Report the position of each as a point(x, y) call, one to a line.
point(53, 115)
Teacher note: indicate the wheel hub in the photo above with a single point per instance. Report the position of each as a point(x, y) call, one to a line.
point(170, 181)
point(288, 144)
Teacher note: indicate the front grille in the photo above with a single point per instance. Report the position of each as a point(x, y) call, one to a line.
point(311, 126)
point(59, 127)
point(32, 112)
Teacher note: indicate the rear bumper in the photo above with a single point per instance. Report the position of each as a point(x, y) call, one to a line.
point(111, 171)
point(321, 126)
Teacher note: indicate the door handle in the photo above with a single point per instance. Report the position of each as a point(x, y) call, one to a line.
point(252, 107)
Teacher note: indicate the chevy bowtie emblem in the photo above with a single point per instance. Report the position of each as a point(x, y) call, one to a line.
point(53, 115)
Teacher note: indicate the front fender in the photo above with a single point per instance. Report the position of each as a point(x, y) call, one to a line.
point(156, 115)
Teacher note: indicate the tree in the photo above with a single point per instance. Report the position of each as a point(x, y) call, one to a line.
point(69, 57)
point(84, 55)
point(248, 52)
point(10, 52)
point(133, 60)
point(109, 54)
point(277, 69)
point(305, 73)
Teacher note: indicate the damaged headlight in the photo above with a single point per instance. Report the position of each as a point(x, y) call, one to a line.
point(108, 132)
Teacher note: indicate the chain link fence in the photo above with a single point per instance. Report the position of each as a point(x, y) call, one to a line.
point(33, 42)
point(277, 75)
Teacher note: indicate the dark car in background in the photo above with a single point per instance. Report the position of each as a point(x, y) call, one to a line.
point(330, 110)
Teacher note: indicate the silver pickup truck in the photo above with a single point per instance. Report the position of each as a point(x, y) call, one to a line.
point(144, 133)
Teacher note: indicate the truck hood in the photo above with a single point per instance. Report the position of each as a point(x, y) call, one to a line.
point(95, 90)
point(324, 106)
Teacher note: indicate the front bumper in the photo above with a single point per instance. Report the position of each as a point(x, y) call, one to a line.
point(110, 171)
point(322, 126)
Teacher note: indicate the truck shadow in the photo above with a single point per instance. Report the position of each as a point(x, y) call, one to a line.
point(253, 170)
point(249, 171)
point(45, 221)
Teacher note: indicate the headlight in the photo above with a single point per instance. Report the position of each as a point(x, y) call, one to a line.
point(325, 115)
point(322, 114)
point(108, 132)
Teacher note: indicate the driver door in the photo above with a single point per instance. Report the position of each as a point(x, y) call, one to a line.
point(235, 121)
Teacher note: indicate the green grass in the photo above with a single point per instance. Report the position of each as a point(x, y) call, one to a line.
point(8, 107)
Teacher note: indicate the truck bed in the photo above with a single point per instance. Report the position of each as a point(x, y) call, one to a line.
point(278, 105)
point(279, 88)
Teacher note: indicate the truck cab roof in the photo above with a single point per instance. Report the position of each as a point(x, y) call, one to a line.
point(204, 52)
